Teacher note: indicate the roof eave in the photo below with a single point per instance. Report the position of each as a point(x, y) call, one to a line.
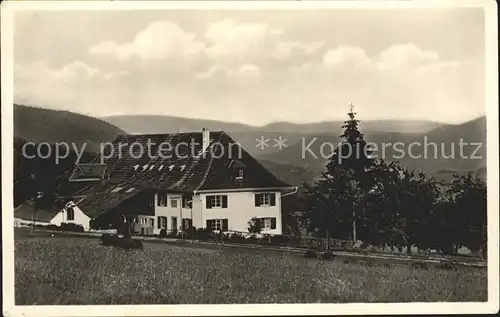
point(282, 189)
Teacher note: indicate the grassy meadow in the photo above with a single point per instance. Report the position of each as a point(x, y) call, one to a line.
point(73, 270)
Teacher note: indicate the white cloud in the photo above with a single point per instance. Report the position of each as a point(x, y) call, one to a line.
point(239, 39)
point(405, 56)
point(249, 74)
point(73, 85)
point(225, 43)
point(160, 40)
point(74, 71)
point(286, 49)
point(213, 72)
point(348, 56)
point(245, 74)
point(438, 67)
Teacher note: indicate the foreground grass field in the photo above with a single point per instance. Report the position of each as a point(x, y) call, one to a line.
point(59, 271)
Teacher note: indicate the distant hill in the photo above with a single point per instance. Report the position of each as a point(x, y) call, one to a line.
point(431, 161)
point(293, 175)
point(45, 125)
point(150, 124)
point(169, 124)
point(247, 135)
point(402, 126)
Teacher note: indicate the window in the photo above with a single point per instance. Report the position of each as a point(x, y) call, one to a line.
point(70, 214)
point(162, 200)
point(265, 199)
point(240, 174)
point(268, 223)
point(162, 222)
point(152, 222)
point(217, 224)
point(173, 203)
point(216, 201)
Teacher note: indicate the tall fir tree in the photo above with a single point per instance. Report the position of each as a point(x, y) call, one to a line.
point(337, 196)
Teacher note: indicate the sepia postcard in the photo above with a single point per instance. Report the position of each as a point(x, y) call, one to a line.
point(212, 158)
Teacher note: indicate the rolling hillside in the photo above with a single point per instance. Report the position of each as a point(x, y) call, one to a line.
point(292, 163)
point(165, 124)
point(44, 125)
point(446, 139)
point(247, 135)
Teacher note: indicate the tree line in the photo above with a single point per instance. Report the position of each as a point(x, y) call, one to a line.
point(380, 203)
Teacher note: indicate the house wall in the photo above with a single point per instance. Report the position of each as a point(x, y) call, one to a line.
point(169, 212)
point(80, 218)
point(240, 209)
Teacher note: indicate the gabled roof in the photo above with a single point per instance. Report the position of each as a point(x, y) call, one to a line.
point(255, 175)
point(26, 211)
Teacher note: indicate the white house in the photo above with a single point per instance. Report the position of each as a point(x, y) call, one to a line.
point(206, 180)
point(26, 215)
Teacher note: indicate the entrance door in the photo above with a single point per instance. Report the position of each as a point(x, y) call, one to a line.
point(174, 224)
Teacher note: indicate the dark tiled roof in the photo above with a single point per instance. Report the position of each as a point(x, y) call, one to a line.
point(255, 175)
point(178, 169)
point(98, 199)
point(26, 211)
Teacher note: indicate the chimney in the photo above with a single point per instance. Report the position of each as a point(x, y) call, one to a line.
point(205, 137)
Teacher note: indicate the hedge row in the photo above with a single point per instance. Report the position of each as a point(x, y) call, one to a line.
point(63, 227)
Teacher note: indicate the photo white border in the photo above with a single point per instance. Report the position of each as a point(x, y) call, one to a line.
point(491, 36)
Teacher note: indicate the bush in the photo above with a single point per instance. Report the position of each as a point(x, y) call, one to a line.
point(163, 233)
point(173, 234)
point(129, 243)
point(237, 238)
point(326, 256)
point(53, 227)
point(203, 234)
point(280, 240)
point(109, 239)
point(124, 243)
point(310, 254)
point(71, 227)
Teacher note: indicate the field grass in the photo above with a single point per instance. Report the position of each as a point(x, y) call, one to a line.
point(63, 271)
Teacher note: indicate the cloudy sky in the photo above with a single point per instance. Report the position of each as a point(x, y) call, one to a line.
point(254, 66)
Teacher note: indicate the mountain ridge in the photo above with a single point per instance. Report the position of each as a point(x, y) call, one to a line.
point(172, 124)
